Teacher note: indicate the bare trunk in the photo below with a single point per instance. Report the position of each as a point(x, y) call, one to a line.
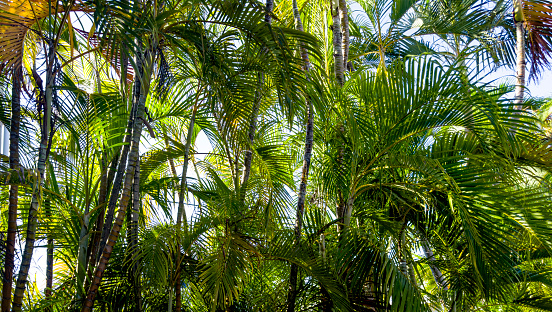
point(117, 183)
point(129, 176)
point(41, 166)
point(83, 245)
point(344, 23)
point(17, 79)
point(344, 16)
point(254, 115)
point(181, 215)
point(133, 238)
point(106, 181)
point(299, 26)
point(340, 210)
point(520, 65)
point(269, 6)
point(337, 42)
point(292, 291)
point(169, 309)
point(349, 210)
point(439, 278)
point(322, 247)
point(402, 255)
point(49, 259)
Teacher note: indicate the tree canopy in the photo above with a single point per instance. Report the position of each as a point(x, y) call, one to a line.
point(240, 155)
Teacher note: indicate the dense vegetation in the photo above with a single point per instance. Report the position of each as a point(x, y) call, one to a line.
point(357, 162)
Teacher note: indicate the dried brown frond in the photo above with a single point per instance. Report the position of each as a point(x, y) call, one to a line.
point(16, 19)
point(538, 23)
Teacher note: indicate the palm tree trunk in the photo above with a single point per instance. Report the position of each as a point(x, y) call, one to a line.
point(337, 41)
point(133, 241)
point(269, 6)
point(439, 278)
point(140, 103)
point(17, 79)
point(309, 135)
point(49, 258)
point(114, 195)
point(41, 166)
point(251, 135)
point(117, 183)
point(341, 207)
point(344, 16)
point(254, 115)
point(406, 267)
point(402, 255)
point(344, 21)
point(349, 210)
point(292, 293)
point(106, 181)
point(181, 214)
point(170, 300)
point(299, 26)
point(520, 64)
point(83, 241)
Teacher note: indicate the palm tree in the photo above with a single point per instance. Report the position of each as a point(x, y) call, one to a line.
point(533, 19)
point(144, 67)
point(254, 113)
point(21, 20)
point(46, 127)
point(17, 78)
point(292, 293)
point(412, 193)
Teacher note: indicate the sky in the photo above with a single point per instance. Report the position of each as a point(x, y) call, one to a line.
point(540, 88)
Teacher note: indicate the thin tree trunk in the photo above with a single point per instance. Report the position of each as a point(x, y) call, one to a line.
point(299, 26)
point(254, 115)
point(117, 183)
point(337, 41)
point(41, 166)
point(292, 291)
point(344, 17)
point(17, 79)
point(170, 300)
point(133, 241)
point(349, 210)
point(49, 259)
point(106, 181)
point(402, 257)
point(114, 195)
point(251, 135)
point(129, 176)
point(83, 237)
point(412, 273)
point(439, 278)
point(520, 65)
point(344, 22)
point(181, 214)
point(341, 201)
point(269, 6)
point(91, 250)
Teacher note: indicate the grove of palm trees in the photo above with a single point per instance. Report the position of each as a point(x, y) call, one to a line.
point(291, 155)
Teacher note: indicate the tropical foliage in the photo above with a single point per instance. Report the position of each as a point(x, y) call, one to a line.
point(231, 155)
